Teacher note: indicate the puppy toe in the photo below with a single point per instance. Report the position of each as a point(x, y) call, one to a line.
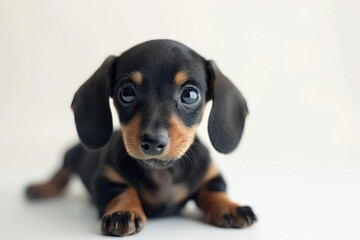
point(230, 215)
point(242, 216)
point(246, 214)
point(121, 223)
point(106, 225)
point(139, 224)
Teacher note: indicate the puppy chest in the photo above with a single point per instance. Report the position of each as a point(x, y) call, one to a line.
point(164, 191)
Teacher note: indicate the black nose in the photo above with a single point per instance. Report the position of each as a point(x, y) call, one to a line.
point(154, 144)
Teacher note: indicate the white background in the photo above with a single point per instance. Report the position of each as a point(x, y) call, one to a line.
point(296, 62)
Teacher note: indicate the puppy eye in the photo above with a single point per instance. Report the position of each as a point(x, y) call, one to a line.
point(190, 96)
point(127, 95)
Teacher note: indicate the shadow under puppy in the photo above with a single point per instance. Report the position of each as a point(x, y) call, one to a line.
point(155, 163)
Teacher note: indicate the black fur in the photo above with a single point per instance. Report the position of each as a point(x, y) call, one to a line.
point(217, 184)
point(159, 61)
point(91, 108)
point(90, 165)
point(228, 113)
point(104, 190)
point(157, 98)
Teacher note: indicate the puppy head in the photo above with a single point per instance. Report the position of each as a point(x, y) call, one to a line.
point(159, 89)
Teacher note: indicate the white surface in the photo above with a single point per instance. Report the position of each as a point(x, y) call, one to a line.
point(291, 203)
point(296, 62)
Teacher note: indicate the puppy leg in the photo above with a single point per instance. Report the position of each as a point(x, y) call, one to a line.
point(219, 209)
point(123, 215)
point(51, 188)
point(119, 205)
point(57, 183)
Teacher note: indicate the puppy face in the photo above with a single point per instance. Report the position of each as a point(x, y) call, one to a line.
point(159, 89)
point(159, 93)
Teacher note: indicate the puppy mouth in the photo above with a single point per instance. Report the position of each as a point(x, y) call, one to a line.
point(156, 163)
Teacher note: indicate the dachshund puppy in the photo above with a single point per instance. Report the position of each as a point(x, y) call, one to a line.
point(155, 163)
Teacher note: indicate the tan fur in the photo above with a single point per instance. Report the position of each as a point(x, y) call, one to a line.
point(51, 188)
point(111, 174)
point(131, 136)
point(127, 201)
point(166, 191)
point(137, 77)
point(211, 172)
point(215, 205)
point(181, 137)
point(181, 77)
point(176, 194)
point(182, 192)
point(208, 198)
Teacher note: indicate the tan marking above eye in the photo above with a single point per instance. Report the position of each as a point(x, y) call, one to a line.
point(181, 77)
point(137, 77)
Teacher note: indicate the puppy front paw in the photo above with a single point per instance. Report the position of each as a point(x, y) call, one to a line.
point(122, 223)
point(230, 215)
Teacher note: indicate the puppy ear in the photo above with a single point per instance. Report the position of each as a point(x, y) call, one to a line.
point(228, 112)
point(91, 107)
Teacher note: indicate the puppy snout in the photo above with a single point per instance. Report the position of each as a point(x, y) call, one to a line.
point(154, 144)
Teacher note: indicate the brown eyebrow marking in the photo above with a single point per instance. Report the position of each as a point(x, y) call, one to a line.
point(137, 77)
point(181, 77)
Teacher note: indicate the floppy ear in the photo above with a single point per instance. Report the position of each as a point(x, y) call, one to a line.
point(228, 112)
point(91, 107)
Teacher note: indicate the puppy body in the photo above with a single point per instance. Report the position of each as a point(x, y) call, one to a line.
point(155, 163)
point(162, 191)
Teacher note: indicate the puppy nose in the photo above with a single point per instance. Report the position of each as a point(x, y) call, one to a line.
point(154, 144)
